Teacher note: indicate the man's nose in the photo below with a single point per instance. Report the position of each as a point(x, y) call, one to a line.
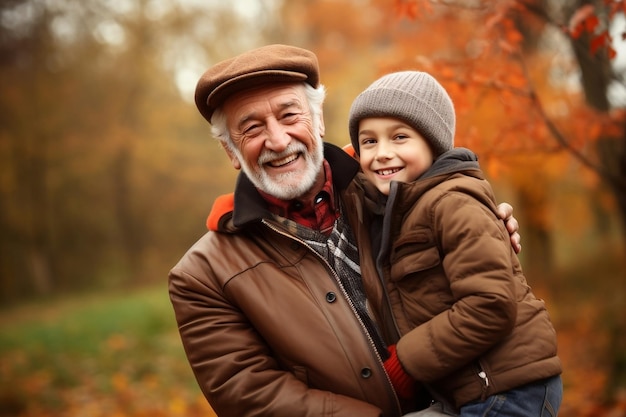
point(278, 137)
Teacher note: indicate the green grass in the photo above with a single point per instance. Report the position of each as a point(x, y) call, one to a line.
point(119, 351)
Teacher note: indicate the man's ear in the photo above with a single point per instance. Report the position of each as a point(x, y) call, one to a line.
point(322, 126)
point(234, 160)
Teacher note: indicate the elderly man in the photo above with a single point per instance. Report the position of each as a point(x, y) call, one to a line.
point(274, 311)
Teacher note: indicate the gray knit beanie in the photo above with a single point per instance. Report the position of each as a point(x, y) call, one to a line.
point(414, 97)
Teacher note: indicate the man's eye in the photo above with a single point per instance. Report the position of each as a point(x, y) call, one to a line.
point(289, 116)
point(252, 129)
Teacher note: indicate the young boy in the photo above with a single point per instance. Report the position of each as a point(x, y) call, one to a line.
point(471, 329)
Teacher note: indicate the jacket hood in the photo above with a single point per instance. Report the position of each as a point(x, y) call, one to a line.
point(455, 160)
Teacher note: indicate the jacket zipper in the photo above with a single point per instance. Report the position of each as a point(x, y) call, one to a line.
point(380, 266)
point(389, 312)
point(484, 379)
point(346, 297)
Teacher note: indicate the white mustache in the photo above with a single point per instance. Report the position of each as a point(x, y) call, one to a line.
point(269, 156)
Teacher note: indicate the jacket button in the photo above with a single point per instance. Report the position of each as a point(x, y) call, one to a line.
point(331, 297)
point(366, 373)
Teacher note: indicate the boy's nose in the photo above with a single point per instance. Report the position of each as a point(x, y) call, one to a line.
point(383, 150)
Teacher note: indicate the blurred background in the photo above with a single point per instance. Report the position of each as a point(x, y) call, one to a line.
point(107, 172)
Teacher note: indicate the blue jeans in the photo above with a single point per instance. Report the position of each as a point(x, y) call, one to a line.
point(539, 399)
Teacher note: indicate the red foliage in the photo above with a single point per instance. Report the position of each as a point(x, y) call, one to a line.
point(585, 21)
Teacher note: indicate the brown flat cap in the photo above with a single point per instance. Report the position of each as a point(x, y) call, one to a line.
point(267, 64)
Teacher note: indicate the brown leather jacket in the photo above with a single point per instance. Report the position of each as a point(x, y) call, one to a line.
point(265, 324)
point(470, 323)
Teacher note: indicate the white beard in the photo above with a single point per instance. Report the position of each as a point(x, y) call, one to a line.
point(289, 185)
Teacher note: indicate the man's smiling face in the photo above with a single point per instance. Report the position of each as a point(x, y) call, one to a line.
point(276, 141)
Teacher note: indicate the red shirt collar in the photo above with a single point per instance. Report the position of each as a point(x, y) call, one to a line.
point(319, 214)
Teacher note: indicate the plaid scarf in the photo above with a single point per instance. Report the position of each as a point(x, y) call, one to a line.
point(342, 255)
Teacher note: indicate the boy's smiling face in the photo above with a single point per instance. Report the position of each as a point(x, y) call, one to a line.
point(391, 150)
